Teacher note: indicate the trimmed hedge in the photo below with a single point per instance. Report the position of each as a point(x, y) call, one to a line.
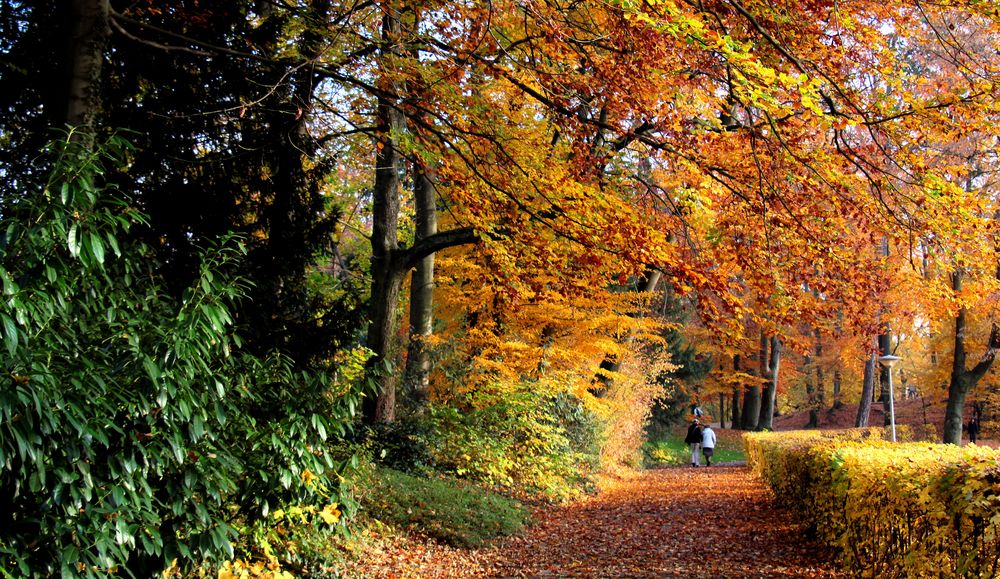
point(910, 509)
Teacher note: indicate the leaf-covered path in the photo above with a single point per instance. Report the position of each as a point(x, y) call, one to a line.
point(675, 522)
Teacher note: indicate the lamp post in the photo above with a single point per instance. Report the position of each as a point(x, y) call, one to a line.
point(889, 361)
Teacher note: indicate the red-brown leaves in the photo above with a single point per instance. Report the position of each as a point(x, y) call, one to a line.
point(677, 522)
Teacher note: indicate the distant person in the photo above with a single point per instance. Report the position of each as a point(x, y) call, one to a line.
point(696, 410)
point(693, 439)
point(973, 430)
point(707, 443)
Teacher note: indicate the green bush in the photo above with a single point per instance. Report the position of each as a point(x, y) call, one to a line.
point(451, 511)
point(132, 431)
point(516, 439)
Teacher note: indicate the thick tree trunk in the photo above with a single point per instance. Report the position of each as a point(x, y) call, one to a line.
point(867, 392)
point(386, 279)
point(958, 389)
point(962, 380)
point(90, 36)
point(418, 358)
point(751, 404)
point(390, 262)
point(751, 407)
point(771, 362)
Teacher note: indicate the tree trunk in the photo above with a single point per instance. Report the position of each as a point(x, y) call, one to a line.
point(962, 380)
point(751, 407)
point(751, 404)
point(770, 364)
point(90, 36)
point(418, 359)
point(837, 383)
point(735, 403)
point(386, 280)
point(810, 395)
point(722, 410)
point(818, 398)
point(416, 378)
point(390, 262)
point(867, 392)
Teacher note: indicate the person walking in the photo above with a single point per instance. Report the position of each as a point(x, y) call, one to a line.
point(973, 430)
point(693, 439)
point(707, 443)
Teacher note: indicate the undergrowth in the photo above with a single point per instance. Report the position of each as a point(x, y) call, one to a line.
point(451, 511)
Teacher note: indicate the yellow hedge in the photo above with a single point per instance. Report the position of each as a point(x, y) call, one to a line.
point(911, 509)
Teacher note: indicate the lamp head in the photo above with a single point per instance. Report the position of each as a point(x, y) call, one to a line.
point(888, 360)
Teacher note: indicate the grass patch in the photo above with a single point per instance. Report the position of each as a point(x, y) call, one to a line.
point(455, 512)
point(670, 450)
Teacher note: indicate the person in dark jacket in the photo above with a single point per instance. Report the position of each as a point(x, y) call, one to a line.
point(973, 430)
point(693, 439)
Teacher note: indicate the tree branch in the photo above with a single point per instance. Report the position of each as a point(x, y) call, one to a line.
point(980, 369)
point(410, 256)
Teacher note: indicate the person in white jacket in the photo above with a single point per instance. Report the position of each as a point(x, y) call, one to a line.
point(707, 443)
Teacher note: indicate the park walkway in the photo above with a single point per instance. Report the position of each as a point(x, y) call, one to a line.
point(672, 522)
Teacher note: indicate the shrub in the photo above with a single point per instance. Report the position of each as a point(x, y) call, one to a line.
point(516, 438)
point(132, 431)
point(891, 509)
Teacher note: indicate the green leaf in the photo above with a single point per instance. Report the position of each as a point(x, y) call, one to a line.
point(9, 333)
point(151, 369)
point(197, 428)
point(97, 247)
point(113, 244)
point(73, 241)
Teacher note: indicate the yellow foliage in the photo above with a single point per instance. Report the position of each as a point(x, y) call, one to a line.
point(911, 509)
point(330, 514)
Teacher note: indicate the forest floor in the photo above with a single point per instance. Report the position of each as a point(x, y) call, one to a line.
point(717, 521)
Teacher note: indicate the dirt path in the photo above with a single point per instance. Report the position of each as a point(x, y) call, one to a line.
point(675, 522)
